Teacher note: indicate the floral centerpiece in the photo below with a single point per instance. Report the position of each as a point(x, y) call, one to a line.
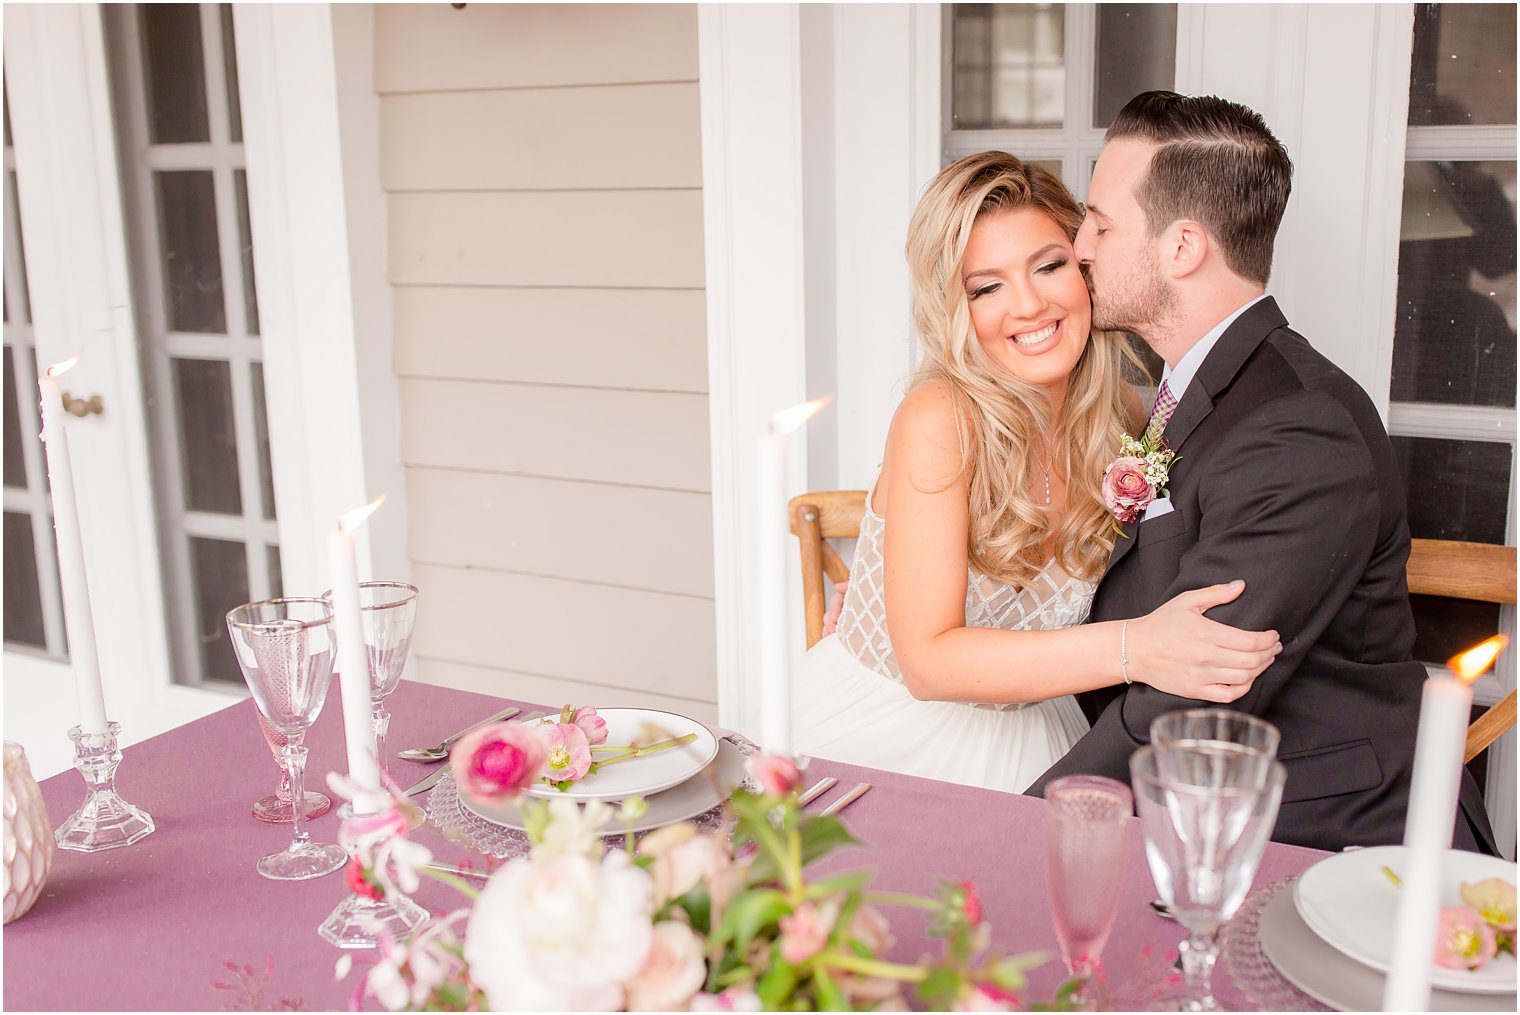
point(679, 920)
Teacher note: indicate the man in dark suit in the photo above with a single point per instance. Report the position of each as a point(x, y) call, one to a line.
point(1284, 477)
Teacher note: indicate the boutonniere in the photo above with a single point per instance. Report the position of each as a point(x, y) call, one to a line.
point(1135, 478)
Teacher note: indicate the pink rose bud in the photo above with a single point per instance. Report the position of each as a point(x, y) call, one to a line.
point(777, 775)
point(593, 725)
point(1463, 940)
point(495, 764)
point(1126, 491)
point(804, 932)
point(359, 881)
point(973, 904)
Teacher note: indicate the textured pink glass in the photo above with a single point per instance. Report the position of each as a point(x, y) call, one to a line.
point(1086, 825)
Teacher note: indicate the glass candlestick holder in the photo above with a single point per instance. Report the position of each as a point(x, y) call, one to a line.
point(104, 820)
point(358, 920)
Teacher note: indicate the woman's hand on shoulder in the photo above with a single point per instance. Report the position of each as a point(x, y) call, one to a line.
point(1178, 650)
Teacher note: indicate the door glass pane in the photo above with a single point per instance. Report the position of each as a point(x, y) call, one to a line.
point(1009, 63)
point(23, 601)
point(245, 246)
point(192, 260)
point(220, 572)
point(21, 298)
point(276, 573)
point(229, 60)
point(1454, 334)
point(175, 73)
point(204, 390)
point(1463, 65)
point(261, 425)
point(15, 463)
point(1456, 490)
point(1137, 52)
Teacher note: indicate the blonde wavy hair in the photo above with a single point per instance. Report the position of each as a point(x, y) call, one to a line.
point(1000, 418)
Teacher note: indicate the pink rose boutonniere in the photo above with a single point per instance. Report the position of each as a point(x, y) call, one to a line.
point(1135, 478)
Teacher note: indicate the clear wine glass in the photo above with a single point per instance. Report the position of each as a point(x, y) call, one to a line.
point(275, 808)
point(1086, 828)
point(388, 613)
point(285, 648)
point(1205, 812)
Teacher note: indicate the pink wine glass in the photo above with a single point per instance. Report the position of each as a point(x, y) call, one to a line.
point(1086, 826)
point(275, 808)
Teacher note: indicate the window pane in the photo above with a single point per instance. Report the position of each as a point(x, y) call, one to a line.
point(1456, 489)
point(220, 569)
point(16, 250)
point(1463, 65)
point(261, 427)
point(203, 389)
point(1137, 52)
point(192, 260)
point(15, 464)
point(229, 60)
point(23, 600)
point(245, 245)
point(175, 73)
point(1454, 334)
point(1444, 627)
point(1009, 65)
point(276, 573)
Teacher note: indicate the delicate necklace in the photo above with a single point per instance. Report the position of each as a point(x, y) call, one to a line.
point(1046, 471)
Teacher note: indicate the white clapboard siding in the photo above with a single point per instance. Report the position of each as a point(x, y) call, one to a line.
point(636, 238)
point(637, 438)
point(432, 47)
point(636, 537)
point(650, 339)
point(610, 137)
point(569, 630)
point(553, 691)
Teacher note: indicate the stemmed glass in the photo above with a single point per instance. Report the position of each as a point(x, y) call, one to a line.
point(285, 649)
point(1086, 827)
point(388, 612)
point(1205, 812)
point(275, 808)
point(1191, 726)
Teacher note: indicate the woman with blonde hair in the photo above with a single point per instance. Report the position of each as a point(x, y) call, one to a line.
point(960, 642)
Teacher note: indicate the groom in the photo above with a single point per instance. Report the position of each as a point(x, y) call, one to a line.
point(1284, 477)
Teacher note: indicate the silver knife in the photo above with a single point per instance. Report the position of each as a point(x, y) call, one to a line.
point(817, 790)
point(431, 779)
point(849, 798)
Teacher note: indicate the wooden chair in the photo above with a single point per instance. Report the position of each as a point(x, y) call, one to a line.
point(815, 519)
point(1482, 572)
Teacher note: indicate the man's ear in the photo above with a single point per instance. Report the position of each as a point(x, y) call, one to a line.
point(1185, 247)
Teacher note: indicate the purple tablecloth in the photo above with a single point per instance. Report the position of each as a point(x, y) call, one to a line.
point(149, 926)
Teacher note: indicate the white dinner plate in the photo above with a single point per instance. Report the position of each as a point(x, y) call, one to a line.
point(1348, 901)
point(1340, 982)
point(694, 796)
point(642, 776)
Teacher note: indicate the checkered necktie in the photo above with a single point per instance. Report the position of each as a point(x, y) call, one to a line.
point(1160, 413)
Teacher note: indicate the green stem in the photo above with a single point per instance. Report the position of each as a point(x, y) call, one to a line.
point(766, 836)
point(635, 751)
point(455, 882)
point(872, 967)
point(794, 857)
point(901, 899)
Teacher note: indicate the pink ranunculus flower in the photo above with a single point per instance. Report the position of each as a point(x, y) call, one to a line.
point(777, 775)
point(1463, 940)
point(673, 972)
point(1126, 491)
point(805, 931)
point(1494, 899)
point(569, 752)
point(495, 764)
point(593, 725)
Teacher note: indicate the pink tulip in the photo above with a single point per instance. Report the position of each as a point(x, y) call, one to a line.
point(1464, 941)
point(593, 725)
point(569, 752)
point(777, 775)
point(495, 764)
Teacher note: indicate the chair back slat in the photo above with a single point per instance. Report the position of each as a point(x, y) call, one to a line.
point(1447, 567)
point(815, 518)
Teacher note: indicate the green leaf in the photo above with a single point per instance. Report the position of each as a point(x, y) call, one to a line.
point(776, 986)
point(852, 881)
point(941, 985)
point(750, 913)
point(821, 836)
point(830, 997)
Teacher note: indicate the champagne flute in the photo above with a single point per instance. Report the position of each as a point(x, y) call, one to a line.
point(1086, 828)
point(388, 613)
point(285, 649)
point(1205, 812)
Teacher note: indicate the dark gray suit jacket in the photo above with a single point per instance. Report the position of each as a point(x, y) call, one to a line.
point(1286, 478)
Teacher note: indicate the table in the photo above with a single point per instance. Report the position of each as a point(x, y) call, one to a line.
point(149, 926)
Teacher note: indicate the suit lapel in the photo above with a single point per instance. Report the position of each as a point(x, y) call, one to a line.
point(1214, 375)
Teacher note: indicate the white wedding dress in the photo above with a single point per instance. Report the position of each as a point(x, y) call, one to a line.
point(850, 704)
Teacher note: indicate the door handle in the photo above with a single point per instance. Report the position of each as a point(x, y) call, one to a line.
point(82, 407)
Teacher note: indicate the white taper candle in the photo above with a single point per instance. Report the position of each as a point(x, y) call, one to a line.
point(353, 660)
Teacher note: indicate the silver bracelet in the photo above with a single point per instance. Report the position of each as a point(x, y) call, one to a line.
point(1124, 650)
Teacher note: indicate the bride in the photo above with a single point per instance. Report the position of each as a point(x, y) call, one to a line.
point(960, 642)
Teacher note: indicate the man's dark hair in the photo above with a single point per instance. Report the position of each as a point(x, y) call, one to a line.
point(1216, 163)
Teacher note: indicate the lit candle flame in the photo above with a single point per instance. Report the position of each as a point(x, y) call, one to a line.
point(787, 420)
point(1473, 663)
point(58, 369)
point(353, 519)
